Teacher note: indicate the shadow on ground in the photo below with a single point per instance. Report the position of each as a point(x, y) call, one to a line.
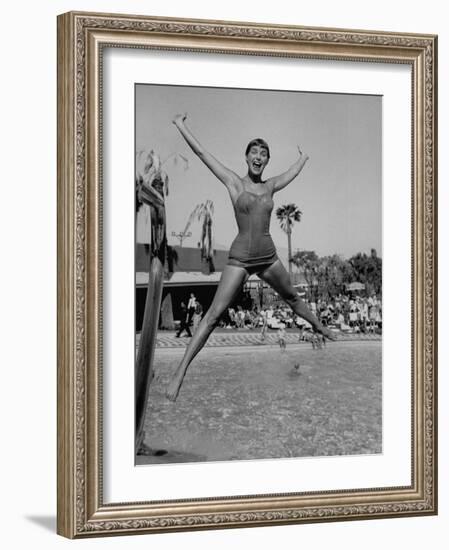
point(46, 522)
point(168, 456)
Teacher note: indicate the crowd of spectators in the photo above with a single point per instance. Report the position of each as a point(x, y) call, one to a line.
point(345, 313)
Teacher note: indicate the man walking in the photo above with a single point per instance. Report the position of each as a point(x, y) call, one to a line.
point(184, 322)
point(191, 308)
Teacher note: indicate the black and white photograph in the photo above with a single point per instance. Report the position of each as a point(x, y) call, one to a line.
point(197, 355)
point(258, 263)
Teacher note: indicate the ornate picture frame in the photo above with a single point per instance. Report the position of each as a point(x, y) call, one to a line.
point(82, 41)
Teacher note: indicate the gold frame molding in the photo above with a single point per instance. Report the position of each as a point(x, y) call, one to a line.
point(81, 38)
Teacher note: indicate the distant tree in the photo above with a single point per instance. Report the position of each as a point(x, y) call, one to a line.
point(368, 270)
point(332, 274)
point(328, 275)
point(287, 215)
point(308, 263)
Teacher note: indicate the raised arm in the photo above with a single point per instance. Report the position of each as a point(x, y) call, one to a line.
point(228, 177)
point(281, 181)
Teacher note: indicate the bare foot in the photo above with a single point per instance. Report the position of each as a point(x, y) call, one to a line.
point(327, 333)
point(173, 389)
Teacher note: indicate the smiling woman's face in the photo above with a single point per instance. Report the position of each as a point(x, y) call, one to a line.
point(256, 159)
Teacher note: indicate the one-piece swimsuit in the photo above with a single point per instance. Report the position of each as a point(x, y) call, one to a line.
point(253, 248)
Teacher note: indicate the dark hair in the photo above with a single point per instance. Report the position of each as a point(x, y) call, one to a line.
point(258, 141)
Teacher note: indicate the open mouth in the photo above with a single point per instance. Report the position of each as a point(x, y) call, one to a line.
point(257, 165)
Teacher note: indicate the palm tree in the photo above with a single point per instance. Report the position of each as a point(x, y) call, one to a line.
point(203, 212)
point(152, 188)
point(287, 216)
point(171, 260)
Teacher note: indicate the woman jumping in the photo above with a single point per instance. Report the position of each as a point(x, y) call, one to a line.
point(253, 250)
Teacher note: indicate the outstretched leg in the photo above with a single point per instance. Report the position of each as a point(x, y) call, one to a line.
point(230, 284)
point(278, 278)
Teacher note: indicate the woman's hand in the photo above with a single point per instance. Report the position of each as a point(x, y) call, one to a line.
point(302, 156)
point(179, 119)
point(226, 176)
point(279, 182)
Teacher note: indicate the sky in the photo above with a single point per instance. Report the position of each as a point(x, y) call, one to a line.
point(339, 191)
